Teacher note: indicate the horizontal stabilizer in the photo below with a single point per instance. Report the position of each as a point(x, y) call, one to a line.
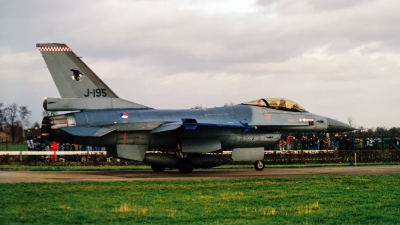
point(167, 127)
point(88, 131)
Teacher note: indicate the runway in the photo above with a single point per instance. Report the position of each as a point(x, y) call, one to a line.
point(198, 174)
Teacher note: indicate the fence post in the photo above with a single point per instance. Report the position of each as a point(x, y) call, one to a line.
point(355, 159)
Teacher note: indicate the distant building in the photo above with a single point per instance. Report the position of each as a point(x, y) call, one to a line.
point(4, 136)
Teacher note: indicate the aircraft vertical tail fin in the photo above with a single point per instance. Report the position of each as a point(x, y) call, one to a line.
point(78, 85)
point(73, 78)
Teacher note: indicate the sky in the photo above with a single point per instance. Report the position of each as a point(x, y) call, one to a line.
point(337, 58)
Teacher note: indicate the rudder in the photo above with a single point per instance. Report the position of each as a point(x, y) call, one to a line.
point(73, 78)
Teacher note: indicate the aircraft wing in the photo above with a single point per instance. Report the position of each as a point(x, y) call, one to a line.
point(167, 127)
point(87, 131)
point(192, 124)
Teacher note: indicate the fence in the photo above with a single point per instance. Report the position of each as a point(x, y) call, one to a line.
point(273, 157)
point(270, 157)
point(7, 157)
point(331, 156)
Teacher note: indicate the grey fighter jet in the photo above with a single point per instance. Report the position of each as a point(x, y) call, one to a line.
point(187, 138)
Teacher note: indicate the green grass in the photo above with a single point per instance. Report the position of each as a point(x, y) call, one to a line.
point(315, 200)
point(13, 147)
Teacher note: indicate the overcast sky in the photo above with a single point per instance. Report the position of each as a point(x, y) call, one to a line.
point(335, 58)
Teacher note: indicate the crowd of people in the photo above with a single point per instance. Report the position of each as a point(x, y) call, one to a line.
point(337, 142)
point(34, 139)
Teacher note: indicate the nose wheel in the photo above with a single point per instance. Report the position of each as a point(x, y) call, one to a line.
point(259, 165)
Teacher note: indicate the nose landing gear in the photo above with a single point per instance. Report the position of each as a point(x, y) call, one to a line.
point(259, 165)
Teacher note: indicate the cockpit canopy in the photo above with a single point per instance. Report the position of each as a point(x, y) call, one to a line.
point(277, 103)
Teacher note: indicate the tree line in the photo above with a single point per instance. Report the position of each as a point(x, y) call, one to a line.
point(14, 120)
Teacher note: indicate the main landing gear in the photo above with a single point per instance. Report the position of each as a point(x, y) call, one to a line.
point(259, 165)
point(185, 165)
point(157, 168)
point(180, 161)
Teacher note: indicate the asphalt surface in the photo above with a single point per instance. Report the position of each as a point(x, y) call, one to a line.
point(132, 175)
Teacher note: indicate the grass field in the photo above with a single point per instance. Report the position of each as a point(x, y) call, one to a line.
point(321, 200)
point(13, 147)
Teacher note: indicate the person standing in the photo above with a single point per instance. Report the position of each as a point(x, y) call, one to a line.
point(371, 144)
point(311, 142)
point(281, 145)
point(322, 144)
point(360, 143)
point(326, 144)
point(38, 138)
point(376, 143)
point(316, 142)
point(329, 143)
point(336, 142)
point(289, 142)
point(396, 143)
point(340, 143)
point(304, 142)
point(29, 139)
point(295, 144)
point(345, 142)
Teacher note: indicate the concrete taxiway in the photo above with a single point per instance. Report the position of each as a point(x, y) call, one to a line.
point(132, 175)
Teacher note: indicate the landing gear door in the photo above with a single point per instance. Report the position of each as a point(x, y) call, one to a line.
point(248, 154)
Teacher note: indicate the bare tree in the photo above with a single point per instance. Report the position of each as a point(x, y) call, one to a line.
point(24, 114)
point(10, 117)
point(350, 119)
point(394, 131)
point(1, 116)
point(381, 131)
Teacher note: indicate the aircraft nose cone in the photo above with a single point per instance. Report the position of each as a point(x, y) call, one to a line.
point(337, 126)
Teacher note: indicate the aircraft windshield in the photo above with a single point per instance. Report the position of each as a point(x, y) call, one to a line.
point(277, 103)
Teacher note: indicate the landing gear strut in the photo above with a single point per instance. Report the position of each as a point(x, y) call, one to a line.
point(259, 165)
point(185, 165)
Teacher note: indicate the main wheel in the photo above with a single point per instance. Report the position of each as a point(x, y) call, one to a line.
point(185, 166)
point(259, 165)
point(157, 168)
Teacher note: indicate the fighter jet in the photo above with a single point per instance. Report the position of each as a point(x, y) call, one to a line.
point(186, 139)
